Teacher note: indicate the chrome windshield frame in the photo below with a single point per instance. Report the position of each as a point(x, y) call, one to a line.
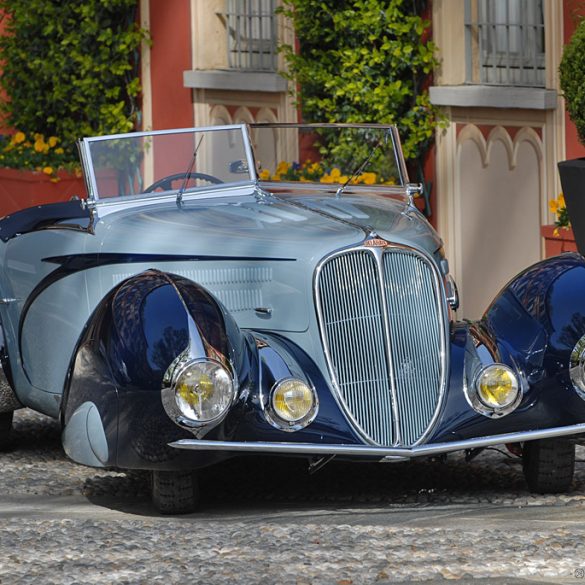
point(84, 146)
point(395, 137)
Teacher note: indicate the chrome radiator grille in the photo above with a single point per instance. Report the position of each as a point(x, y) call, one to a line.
point(382, 324)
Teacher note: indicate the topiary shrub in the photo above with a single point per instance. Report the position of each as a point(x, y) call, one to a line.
point(572, 78)
point(69, 69)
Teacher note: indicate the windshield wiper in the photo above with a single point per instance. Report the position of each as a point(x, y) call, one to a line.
point(363, 165)
point(188, 174)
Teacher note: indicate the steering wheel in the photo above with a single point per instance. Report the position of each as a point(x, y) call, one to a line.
point(166, 183)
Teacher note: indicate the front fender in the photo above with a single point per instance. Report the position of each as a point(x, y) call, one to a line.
point(537, 319)
point(132, 337)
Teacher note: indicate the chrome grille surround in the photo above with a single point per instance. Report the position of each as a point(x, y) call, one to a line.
point(384, 326)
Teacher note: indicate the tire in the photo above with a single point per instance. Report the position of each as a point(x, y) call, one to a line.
point(175, 492)
point(5, 429)
point(548, 465)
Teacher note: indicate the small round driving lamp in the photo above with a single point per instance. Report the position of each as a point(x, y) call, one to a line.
point(497, 387)
point(203, 390)
point(293, 401)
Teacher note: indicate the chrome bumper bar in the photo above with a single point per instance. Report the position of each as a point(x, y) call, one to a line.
point(373, 451)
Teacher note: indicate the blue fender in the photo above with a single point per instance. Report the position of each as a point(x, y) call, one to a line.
point(130, 340)
point(537, 320)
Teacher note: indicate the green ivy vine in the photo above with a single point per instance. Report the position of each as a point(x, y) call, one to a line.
point(364, 61)
point(70, 69)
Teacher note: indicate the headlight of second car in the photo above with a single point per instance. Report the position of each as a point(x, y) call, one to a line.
point(204, 390)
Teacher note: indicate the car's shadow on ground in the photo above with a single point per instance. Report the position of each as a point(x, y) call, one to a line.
point(247, 483)
point(250, 483)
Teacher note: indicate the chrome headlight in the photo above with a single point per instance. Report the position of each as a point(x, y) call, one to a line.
point(495, 391)
point(292, 405)
point(203, 390)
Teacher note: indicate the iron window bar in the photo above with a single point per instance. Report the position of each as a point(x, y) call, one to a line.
point(504, 42)
point(251, 34)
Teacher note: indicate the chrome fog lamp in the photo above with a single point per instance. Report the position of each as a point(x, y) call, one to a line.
point(204, 390)
point(293, 404)
point(497, 388)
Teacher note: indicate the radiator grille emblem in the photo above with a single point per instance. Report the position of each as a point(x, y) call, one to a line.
point(376, 243)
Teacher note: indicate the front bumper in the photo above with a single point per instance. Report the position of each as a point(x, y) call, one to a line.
point(428, 450)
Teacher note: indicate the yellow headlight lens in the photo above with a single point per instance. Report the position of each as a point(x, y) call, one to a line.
point(203, 390)
point(497, 386)
point(292, 400)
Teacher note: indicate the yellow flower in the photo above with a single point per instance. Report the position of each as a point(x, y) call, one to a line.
point(315, 167)
point(48, 170)
point(326, 179)
point(556, 232)
point(553, 206)
point(53, 141)
point(41, 145)
point(369, 178)
point(59, 150)
point(335, 174)
point(18, 137)
point(282, 167)
point(39, 137)
point(561, 200)
point(263, 176)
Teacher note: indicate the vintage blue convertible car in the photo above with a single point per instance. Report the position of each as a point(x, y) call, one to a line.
point(202, 303)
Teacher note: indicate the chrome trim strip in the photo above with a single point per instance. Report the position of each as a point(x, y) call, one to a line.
point(163, 132)
point(372, 451)
point(379, 255)
point(399, 156)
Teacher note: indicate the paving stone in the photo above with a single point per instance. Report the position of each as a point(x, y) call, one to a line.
point(266, 520)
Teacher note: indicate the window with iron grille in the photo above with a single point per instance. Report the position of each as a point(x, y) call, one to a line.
point(251, 34)
point(505, 42)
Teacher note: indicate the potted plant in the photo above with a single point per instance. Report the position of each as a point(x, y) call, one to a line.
point(35, 170)
point(558, 238)
point(572, 172)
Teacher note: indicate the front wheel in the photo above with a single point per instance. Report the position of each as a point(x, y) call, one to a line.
point(175, 492)
point(5, 429)
point(548, 465)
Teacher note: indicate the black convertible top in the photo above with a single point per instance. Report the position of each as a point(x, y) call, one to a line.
point(41, 216)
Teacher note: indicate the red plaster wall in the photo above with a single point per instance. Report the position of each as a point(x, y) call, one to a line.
point(170, 55)
point(573, 10)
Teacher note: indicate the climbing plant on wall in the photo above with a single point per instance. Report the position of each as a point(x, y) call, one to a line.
point(364, 61)
point(69, 69)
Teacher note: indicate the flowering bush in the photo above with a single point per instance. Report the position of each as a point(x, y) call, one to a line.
point(35, 152)
point(319, 172)
point(559, 208)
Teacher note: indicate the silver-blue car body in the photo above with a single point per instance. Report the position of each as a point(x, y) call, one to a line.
point(199, 305)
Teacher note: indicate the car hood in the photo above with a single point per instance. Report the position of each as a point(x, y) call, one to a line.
point(304, 227)
point(258, 257)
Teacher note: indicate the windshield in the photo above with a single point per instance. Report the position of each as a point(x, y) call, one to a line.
point(181, 162)
point(169, 161)
point(321, 153)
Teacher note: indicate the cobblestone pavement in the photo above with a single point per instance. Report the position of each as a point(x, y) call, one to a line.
point(268, 521)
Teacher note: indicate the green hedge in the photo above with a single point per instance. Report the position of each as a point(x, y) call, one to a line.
point(70, 67)
point(364, 61)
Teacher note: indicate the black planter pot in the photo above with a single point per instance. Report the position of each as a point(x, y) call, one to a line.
point(572, 174)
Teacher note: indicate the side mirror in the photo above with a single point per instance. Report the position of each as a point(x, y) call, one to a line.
point(239, 167)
